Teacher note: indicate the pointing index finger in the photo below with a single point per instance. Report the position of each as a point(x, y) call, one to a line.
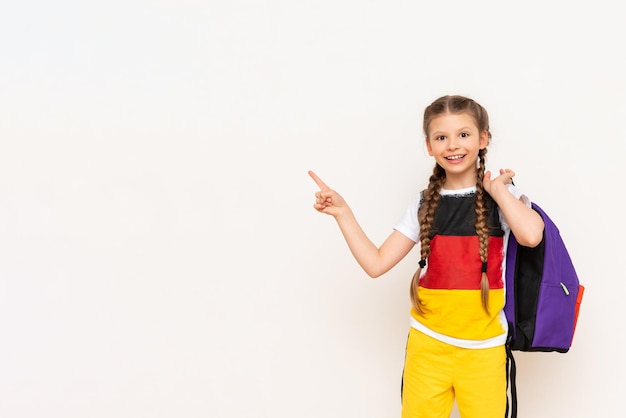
point(323, 187)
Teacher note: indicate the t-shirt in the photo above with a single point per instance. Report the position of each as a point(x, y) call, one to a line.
point(449, 287)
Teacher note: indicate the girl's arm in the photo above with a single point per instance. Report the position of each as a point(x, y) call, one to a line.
point(373, 260)
point(525, 223)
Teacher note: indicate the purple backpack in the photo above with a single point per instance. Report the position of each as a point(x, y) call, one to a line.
point(543, 297)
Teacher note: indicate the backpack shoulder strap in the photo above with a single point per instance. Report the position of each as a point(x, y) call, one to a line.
point(511, 375)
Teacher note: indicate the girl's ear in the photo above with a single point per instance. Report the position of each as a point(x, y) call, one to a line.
point(428, 147)
point(484, 139)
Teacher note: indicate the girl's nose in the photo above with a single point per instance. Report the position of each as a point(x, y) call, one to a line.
point(453, 144)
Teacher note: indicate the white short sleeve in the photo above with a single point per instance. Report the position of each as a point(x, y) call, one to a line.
point(408, 225)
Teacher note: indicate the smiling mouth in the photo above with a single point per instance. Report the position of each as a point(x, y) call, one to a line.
point(455, 157)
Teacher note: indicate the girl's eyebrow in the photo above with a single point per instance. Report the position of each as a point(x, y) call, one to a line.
point(465, 128)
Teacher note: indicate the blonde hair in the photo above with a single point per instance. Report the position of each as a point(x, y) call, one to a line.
point(432, 194)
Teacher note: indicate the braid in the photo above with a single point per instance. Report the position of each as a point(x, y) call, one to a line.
point(482, 229)
point(426, 216)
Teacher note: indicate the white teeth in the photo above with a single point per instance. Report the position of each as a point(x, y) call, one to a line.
point(454, 157)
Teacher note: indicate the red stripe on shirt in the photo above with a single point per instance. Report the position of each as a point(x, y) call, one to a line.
point(455, 263)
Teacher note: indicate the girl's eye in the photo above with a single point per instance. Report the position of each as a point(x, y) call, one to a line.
point(464, 135)
point(441, 138)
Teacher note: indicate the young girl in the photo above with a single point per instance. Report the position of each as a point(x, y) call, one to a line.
point(462, 221)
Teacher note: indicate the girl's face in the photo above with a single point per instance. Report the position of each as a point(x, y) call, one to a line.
point(454, 141)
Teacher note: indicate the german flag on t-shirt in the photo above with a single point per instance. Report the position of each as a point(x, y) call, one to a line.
point(450, 287)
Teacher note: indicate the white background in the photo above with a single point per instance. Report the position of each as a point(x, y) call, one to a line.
point(159, 253)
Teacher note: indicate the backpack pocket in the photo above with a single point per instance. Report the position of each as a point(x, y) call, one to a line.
point(557, 309)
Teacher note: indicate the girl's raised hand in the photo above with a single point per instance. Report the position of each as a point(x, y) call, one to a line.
point(505, 177)
point(327, 200)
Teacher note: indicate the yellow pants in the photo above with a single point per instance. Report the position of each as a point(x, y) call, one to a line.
point(435, 373)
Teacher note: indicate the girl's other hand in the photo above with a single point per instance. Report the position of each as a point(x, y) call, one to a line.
point(491, 185)
point(327, 200)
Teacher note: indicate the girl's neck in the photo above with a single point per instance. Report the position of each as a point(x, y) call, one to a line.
point(457, 183)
